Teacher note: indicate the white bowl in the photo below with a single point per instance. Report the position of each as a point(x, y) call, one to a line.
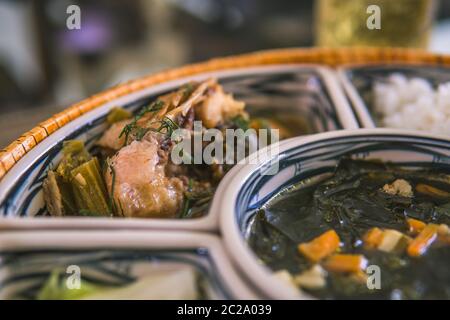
point(358, 79)
point(21, 195)
point(114, 257)
point(248, 188)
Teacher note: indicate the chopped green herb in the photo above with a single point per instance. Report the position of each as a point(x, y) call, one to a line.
point(168, 126)
point(241, 122)
point(128, 129)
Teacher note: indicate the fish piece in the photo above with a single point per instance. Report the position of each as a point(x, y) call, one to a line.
point(218, 106)
point(141, 188)
point(110, 138)
point(399, 187)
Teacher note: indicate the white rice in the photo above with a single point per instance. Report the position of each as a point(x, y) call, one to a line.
point(413, 104)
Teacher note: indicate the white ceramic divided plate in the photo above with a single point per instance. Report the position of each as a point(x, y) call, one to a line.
point(300, 158)
point(309, 89)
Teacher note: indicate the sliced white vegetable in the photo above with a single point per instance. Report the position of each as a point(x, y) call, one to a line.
point(393, 240)
point(174, 285)
point(285, 276)
point(313, 278)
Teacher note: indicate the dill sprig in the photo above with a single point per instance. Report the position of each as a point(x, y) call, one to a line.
point(167, 126)
point(128, 129)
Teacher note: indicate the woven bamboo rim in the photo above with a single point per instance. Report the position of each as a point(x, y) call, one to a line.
point(332, 57)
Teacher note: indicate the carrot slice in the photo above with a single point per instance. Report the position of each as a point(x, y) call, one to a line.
point(373, 238)
point(415, 226)
point(423, 241)
point(346, 263)
point(320, 247)
point(431, 191)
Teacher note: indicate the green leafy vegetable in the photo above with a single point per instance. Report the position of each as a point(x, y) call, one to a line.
point(118, 114)
point(241, 122)
point(74, 154)
point(196, 199)
point(56, 289)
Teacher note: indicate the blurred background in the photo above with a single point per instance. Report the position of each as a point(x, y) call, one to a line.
point(44, 66)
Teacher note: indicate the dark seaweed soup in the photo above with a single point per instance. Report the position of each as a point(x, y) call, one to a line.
point(325, 233)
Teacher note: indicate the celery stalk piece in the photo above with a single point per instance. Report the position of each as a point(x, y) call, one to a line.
point(118, 114)
point(58, 195)
point(89, 189)
point(74, 154)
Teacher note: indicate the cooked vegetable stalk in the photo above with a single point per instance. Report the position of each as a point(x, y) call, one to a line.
point(118, 114)
point(423, 241)
point(74, 154)
point(415, 226)
point(74, 148)
point(89, 189)
point(346, 263)
point(320, 247)
point(58, 193)
point(52, 195)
